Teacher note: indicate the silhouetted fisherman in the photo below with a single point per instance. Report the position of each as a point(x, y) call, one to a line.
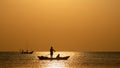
point(51, 51)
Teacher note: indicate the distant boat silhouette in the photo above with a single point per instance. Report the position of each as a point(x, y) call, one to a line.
point(26, 52)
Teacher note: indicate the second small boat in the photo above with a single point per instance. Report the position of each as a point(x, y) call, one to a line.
point(26, 52)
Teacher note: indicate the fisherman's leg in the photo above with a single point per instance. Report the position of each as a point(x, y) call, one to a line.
point(51, 55)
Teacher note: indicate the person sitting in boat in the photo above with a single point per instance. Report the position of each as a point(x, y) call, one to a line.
point(51, 51)
point(58, 56)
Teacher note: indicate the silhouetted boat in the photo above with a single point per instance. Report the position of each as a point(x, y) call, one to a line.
point(56, 58)
point(26, 52)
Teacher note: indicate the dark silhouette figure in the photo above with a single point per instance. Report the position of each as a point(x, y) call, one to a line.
point(58, 56)
point(51, 52)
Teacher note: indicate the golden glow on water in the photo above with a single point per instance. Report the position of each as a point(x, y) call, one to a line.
point(53, 65)
point(56, 64)
point(76, 60)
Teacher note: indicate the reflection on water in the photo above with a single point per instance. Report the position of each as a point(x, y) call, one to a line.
point(54, 64)
point(76, 60)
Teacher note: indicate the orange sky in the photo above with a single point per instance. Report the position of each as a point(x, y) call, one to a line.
point(70, 25)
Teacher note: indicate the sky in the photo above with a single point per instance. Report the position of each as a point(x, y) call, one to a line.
point(67, 25)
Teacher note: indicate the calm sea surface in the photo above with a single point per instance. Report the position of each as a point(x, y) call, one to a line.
point(76, 60)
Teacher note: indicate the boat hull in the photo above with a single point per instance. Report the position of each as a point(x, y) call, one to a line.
point(57, 58)
point(27, 52)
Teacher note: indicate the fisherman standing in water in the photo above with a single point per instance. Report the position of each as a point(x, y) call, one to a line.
point(51, 51)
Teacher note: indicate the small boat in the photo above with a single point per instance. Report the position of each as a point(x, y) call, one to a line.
point(26, 52)
point(56, 58)
point(53, 58)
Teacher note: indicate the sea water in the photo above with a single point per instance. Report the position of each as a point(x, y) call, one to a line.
point(76, 60)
